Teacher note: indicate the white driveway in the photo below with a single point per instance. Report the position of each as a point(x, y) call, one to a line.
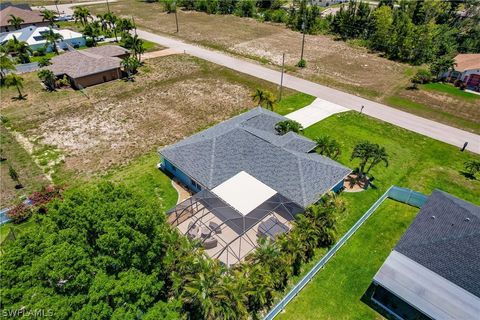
point(67, 8)
point(318, 110)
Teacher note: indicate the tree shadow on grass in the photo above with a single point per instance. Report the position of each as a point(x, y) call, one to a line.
point(468, 175)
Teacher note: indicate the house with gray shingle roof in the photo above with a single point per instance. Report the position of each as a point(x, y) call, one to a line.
point(433, 271)
point(90, 66)
point(249, 143)
point(249, 182)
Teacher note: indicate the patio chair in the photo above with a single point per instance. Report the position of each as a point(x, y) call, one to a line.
point(193, 232)
point(215, 227)
point(210, 243)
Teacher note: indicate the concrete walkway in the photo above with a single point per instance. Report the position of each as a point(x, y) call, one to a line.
point(432, 129)
point(318, 110)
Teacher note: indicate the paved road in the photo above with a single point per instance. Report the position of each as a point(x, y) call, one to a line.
point(402, 119)
point(318, 110)
point(67, 8)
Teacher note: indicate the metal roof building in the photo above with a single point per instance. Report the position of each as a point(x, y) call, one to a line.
point(434, 268)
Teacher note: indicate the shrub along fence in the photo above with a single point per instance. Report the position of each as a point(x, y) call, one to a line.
point(404, 195)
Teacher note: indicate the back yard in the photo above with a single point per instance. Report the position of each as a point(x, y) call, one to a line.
point(337, 64)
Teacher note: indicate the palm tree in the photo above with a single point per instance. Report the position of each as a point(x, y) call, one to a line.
point(327, 146)
point(285, 126)
point(48, 15)
point(51, 38)
point(5, 63)
point(81, 14)
point(13, 80)
point(130, 65)
point(15, 22)
point(92, 30)
point(259, 289)
point(264, 98)
point(137, 47)
point(19, 48)
point(47, 77)
point(369, 152)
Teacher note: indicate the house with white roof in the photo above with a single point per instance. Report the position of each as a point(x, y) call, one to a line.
point(34, 37)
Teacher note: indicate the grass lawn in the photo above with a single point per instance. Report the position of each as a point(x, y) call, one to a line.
point(416, 162)
point(48, 55)
point(438, 115)
point(336, 290)
point(293, 102)
point(451, 90)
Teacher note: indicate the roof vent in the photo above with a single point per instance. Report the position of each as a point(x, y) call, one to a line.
point(467, 219)
point(433, 217)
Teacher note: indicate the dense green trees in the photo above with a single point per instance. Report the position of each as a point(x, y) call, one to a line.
point(286, 126)
point(105, 252)
point(369, 154)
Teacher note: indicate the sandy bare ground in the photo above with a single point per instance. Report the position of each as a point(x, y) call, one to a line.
point(172, 97)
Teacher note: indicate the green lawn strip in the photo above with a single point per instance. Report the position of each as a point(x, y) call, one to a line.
point(48, 55)
point(293, 102)
point(335, 292)
point(450, 90)
point(436, 115)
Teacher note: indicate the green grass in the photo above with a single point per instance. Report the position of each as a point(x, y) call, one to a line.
point(143, 176)
point(336, 291)
point(48, 55)
point(433, 114)
point(450, 90)
point(293, 102)
point(416, 162)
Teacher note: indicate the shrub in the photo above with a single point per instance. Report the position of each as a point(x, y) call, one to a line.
point(278, 15)
point(19, 213)
point(40, 52)
point(245, 8)
point(43, 62)
point(89, 42)
point(302, 63)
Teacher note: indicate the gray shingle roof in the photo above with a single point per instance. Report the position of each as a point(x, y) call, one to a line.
point(248, 143)
point(108, 50)
point(81, 63)
point(445, 238)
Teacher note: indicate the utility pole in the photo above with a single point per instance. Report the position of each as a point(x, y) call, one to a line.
point(303, 37)
point(281, 79)
point(108, 7)
point(176, 18)
point(56, 5)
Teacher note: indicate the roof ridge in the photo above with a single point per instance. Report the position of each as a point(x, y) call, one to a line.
point(302, 182)
point(212, 161)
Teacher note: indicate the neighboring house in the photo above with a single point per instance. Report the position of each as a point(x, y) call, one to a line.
point(252, 180)
point(326, 3)
point(34, 37)
point(29, 17)
point(433, 271)
point(89, 67)
point(467, 69)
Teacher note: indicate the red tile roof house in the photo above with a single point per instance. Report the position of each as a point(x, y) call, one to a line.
point(467, 69)
point(91, 66)
point(29, 17)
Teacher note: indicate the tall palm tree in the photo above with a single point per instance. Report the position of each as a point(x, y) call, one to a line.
point(15, 22)
point(130, 65)
point(137, 47)
point(6, 63)
point(51, 38)
point(48, 15)
point(81, 14)
point(371, 153)
point(92, 30)
point(13, 80)
point(20, 49)
point(112, 21)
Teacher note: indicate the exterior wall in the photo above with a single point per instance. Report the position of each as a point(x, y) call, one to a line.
point(182, 177)
point(338, 187)
point(97, 78)
point(466, 76)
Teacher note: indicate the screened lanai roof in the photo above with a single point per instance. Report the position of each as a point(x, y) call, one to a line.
point(239, 231)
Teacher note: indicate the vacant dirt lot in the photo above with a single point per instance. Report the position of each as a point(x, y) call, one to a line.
point(345, 66)
point(118, 121)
